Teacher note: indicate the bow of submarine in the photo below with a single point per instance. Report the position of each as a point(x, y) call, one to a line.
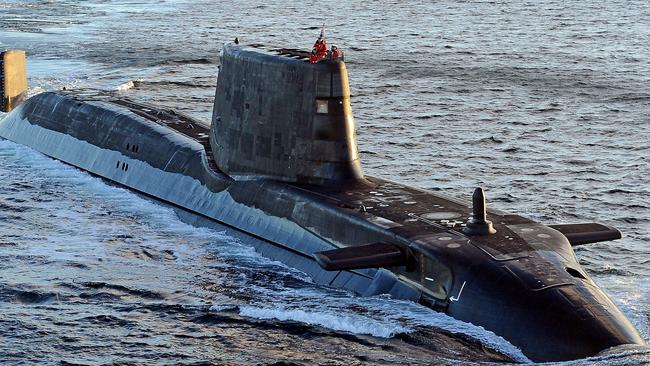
point(523, 283)
point(564, 322)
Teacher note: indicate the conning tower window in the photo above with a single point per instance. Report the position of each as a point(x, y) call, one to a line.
point(322, 106)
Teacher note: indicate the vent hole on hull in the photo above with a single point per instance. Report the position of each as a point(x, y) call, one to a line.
point(575, 273)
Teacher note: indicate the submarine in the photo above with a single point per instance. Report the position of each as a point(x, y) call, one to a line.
point(279, 162)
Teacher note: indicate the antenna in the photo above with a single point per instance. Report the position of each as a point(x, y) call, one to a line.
point(478, 223)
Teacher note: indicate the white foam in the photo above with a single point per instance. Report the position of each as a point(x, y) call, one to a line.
point(128, 85)
point(34, 91)
point(428, 317)
point(222, 307)
point(379, 316)
point(340, 322)
point(631, 296)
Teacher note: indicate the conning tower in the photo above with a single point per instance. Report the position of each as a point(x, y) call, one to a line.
point(283, 118)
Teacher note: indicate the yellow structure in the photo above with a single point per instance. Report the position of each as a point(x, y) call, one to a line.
point(13, 79)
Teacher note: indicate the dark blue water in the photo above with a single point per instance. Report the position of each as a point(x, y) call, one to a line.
point(547, 106)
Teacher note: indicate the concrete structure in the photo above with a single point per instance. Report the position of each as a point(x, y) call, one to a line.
point(13, 79)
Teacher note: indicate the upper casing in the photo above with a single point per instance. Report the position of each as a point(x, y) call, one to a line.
point(266, 124)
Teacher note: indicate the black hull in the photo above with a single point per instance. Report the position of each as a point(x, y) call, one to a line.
point(174, 168)
point(513, 283)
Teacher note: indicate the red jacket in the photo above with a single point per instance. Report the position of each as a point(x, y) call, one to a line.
point(321, 48)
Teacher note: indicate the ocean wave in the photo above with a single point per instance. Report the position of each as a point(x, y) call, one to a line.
point(120, 289)
point(341, 322)
point(187, 61)
point(28, 296)
point(378, 316)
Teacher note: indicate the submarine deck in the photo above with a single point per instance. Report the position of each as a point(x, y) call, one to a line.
point(436, 221)
point(167, 117)
point(392, 205)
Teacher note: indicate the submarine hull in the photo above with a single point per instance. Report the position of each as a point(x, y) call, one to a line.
point(520, 291)
point(149, 156)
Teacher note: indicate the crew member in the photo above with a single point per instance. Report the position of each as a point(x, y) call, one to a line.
point(321, 45)
point(336, 53)
point(313, 56)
